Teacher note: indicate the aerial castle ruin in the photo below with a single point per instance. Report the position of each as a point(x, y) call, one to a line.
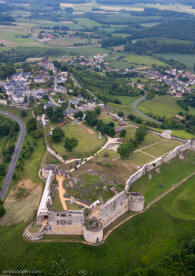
point(91, 222)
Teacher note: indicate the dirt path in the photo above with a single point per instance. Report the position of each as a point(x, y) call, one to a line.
point(61, 190)
point(90, 131)
point(78, 202)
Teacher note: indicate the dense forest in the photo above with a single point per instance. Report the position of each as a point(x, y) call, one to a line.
point(177, 28)
point(157, 46)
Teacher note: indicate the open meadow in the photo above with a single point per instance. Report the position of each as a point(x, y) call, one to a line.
point(122, 61)
point(87, 138)
point(162, 106)
point(187, 60)
point(17, 36)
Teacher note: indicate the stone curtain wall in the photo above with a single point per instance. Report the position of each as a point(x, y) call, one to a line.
point(57, 156)
point(159, 161)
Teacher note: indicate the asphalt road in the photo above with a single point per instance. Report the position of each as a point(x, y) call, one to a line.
point(141, 114)
point(10, 172)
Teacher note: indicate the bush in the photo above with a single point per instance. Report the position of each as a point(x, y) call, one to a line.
point(2, 209)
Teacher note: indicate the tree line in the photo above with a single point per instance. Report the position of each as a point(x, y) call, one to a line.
point(126, 148)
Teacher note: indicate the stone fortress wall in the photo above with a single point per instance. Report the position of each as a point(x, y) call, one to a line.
point(177, 152)
point(73, 222)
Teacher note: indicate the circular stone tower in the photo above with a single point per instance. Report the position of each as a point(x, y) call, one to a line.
point(93, 231)
point(136, 202)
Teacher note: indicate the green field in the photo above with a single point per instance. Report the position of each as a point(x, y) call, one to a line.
point(125, 106)
point(140, 242)
point(87, 51)
point(187, 60)
point(123, 61)
point(151, 148)
point(11, 37)
point(162, 147)
point(162, 106)
point(87, 22)
point(68, 42)
point(182, 206)
point(169, 174)
point(87, 138)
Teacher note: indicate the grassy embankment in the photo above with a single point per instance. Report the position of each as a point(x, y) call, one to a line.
point(25, 189)
point(159, 183)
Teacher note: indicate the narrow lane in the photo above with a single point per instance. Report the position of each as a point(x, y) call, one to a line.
point(142, 114)
point(12, 165)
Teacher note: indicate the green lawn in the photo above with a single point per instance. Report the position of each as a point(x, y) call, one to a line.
point(87, 138)
point(106, 118)
point(150, 149)
point(56, 203)
point(169, 174)
point(182, 206)
point(140, 242)
point(182, 134)
point(162, 106)
point(140, 158)
point(162, 148)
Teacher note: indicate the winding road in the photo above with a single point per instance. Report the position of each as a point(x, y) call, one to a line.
point(12, 165)
point(142, 114)
point(134, 104)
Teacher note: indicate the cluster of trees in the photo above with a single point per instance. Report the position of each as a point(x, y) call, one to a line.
point(9, 129)
point(105, 85)
point(135, 119)
point(83, 92)
point(6, 70)
point(62, 66)
point(180, 28)
point(187, 123)
point(34, 133)
point(4, 18)
point(32, 128)
point(180, 262)
point(55, 115)
point(20, 54)
point(91, 119)
point(158, 46)
point(126, 148)
point(2, 209)
point(7, 153)
point(112, 41)
point(69, 143)
point(57, 135)
point(186, 101)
